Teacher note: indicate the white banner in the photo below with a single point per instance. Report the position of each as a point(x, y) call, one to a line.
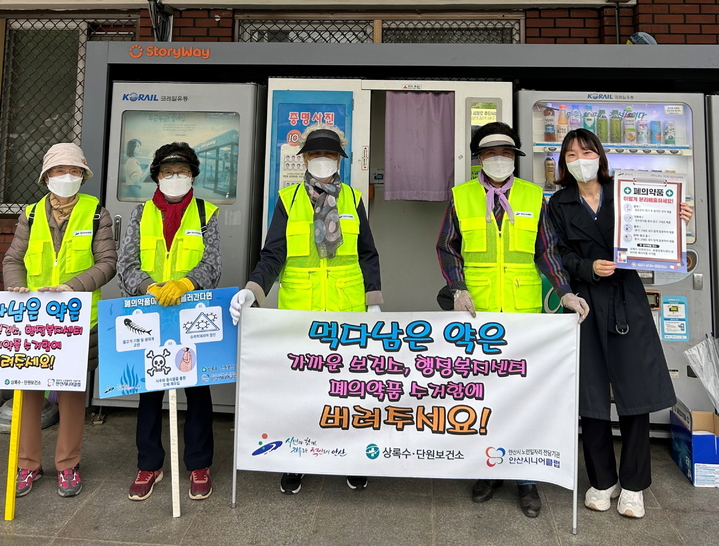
point(44, 338)
point(432, 395)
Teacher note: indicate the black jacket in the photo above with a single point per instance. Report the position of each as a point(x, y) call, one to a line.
point(632, 362)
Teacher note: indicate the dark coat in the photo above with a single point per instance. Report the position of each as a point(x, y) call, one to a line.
point(632, 363)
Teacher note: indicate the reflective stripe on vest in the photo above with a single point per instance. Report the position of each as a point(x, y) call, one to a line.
point(46, 268)
point(187, 247)
point(499, 267)
point(311, 283)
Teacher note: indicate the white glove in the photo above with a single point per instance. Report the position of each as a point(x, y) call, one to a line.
point(374, 309)
point(463, 302)
point(244, 298)
point(576, 304)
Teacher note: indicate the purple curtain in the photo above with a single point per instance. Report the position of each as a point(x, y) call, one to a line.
point(419, 146)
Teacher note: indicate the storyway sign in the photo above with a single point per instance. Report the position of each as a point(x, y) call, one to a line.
point(146, 347)
point(434, 395)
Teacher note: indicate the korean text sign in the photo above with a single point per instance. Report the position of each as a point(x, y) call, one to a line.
point(648, 232)
point(437, 395)
point(147, 347)
point(44, 338)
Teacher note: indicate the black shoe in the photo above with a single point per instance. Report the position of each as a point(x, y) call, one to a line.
point(482, 490)
point(529, 500)
point(290, 484)
point(357, 482)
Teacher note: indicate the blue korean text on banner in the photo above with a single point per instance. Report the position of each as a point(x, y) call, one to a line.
point(292, 113)
point(675, 318)
point(146, 347)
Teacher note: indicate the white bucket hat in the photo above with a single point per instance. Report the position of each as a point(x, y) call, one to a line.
point(65, 153)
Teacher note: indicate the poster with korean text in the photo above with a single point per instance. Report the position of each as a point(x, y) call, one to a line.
point(44, 338)
point(648, 231)
point(434, 395)
point(147, 347)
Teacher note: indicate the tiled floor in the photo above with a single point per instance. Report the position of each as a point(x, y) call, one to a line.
point(391, 511)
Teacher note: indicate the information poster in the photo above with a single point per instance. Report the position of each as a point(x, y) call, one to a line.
point(434, 395)
point(44, 338)
point(649, 233)
point(213, 135)
point(147, 347)
point(292, 113)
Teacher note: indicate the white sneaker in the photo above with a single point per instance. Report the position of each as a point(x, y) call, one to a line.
point(631, 504)
point(601, 499)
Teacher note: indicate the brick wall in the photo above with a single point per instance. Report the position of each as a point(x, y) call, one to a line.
point(669, 21)
point(196, 25)
point(7, 229)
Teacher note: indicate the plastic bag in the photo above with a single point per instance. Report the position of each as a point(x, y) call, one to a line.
point(704, 360)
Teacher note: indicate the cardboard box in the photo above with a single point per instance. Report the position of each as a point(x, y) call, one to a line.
point(695, 444)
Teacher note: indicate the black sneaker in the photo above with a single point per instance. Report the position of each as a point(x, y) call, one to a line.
point(290, 484)
point(357, 482)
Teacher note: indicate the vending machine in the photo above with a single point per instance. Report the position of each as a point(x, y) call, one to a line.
point(224, 124)
point(657, 133)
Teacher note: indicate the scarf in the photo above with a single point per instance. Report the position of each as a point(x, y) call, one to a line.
point(171, 214)
point(499, 192)
point(62, 212)
point(326, 219)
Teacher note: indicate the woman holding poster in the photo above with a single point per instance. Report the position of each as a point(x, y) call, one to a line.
point(172, 246)
point(63, 243)
point(620, 347)
point(321, 246)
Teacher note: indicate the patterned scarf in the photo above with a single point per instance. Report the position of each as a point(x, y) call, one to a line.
point(62, 212)
point(500, 193)
point(328, 233)
point(171, 214)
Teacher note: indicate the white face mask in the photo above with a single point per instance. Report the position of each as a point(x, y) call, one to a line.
point(175, 186)
point(584, 170)
point(322, 168)
point(65, 186)
point(498, 168)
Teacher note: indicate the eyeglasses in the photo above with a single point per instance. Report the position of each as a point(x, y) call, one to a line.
point(166, 173)
point(63, 169)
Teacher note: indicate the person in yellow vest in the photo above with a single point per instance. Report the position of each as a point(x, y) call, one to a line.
point(172, 246)
point(320, 244)
point(495, 239)
point(63, 243)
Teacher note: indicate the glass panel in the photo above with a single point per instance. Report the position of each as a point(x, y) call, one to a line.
point(214, 136)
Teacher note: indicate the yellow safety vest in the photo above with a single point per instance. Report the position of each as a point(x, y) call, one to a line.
point(187, 247)
point(45, 267)
point(499, 266)
point(311, 283)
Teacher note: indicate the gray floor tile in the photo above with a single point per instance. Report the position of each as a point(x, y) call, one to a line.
point(359, 518)
point(696, 528)
point(149, 521)
point(20, 540)
point(499, 521)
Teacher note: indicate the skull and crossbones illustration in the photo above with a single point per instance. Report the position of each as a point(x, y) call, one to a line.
point(158, 362)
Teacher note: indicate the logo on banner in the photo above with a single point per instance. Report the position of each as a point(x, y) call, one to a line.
point(136, 51)
point(266, 448)
point(495, 456)
point(372, 451)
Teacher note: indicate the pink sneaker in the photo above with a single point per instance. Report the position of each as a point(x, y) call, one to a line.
point(200, 484)
point(25, 479)
point(69, 482)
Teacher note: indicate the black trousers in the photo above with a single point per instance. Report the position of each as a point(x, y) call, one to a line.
point(635, 470)
point(199, 443)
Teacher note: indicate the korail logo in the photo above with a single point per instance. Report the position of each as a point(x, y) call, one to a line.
point(600, 96)
point(495, 455)
point(134, 97)
point(266, 448)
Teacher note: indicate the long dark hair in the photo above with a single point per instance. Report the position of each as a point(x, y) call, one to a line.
point(587, 141)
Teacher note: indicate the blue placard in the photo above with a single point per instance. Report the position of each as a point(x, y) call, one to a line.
point(675, 318)
point(146, 347)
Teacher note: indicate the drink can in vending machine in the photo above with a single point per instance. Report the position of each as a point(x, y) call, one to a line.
point(655, 132)
point(669, 133)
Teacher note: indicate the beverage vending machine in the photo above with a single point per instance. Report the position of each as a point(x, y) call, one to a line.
point(641, 132)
